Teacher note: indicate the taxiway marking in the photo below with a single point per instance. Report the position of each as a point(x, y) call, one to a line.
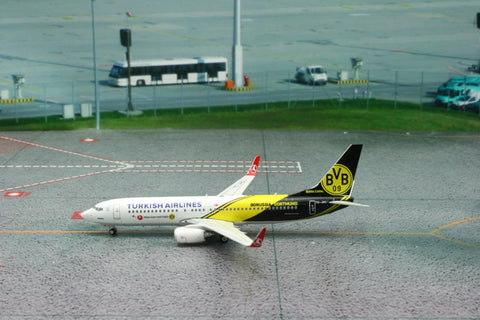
point(172, 166)
point(361, 233)
point(143, 166)
point(33, 144)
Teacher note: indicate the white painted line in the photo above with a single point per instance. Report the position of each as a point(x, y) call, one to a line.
point(138, 166)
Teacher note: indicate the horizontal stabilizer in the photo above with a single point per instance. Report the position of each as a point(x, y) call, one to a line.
point(257, 243)
point(348, 203)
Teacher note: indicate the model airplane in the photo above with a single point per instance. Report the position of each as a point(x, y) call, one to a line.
point(200, 217)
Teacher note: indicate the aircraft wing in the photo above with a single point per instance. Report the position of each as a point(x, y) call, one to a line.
point(227, 229)
point(240, 185)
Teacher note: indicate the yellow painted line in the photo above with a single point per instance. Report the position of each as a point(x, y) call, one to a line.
point(455, 241)
point(165, 231)
point(49, 231)
point(19, 100)
point(455, 223)
point(361, 233)
point(76, 231)
point(207, 42)
point(163, 33)
point(359, 81)
point(381, 233)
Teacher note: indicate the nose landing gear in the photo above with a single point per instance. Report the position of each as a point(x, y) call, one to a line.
point(112, 231)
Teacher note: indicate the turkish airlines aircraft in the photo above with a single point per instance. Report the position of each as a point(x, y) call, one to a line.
point(200, 217)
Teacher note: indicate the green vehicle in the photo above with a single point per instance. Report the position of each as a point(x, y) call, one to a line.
point(455, 89)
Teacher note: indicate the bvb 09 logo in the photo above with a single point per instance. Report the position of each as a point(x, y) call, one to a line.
point(338, 180)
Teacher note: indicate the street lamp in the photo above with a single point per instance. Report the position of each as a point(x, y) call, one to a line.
point(237, 47)
point(97, 104)
point(126, 41)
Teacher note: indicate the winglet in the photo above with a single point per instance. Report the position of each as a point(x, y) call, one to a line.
point(254, 167)
point(240, 185)
point(257, 243)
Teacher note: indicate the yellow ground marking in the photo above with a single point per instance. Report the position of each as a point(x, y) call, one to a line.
point(434, 232)
point(208, 42)
point(50, 231)
point(381, 233)
point(455, 223)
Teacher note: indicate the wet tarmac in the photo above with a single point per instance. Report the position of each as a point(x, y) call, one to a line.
point(414, 254)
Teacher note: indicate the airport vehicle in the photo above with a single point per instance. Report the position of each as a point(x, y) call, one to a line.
point(200, 217)
point(312, 75)
point(169, 71)
point(455, 89)
point(471, 100)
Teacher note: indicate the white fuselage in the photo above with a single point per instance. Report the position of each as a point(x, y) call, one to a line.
point(153, 210)
point(200, 217)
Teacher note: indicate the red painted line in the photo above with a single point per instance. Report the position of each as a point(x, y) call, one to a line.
point(10, 146)
point(53, 181)
point(16, 194)
point(89, 140)
point(56, 149)
point(77, 215)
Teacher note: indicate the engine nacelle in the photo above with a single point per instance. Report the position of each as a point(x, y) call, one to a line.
point(190, 235)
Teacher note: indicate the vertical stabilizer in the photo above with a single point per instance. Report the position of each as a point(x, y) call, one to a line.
point(339, 180)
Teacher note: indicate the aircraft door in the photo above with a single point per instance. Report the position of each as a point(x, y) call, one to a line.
point(312, 207)
point(116, 212)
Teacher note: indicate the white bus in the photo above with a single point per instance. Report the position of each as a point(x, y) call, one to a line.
point(170, 71)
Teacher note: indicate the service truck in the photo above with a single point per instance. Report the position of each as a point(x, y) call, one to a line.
point(312, 75)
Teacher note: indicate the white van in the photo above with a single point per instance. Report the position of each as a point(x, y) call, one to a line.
point(471, 99)
point(312, 75)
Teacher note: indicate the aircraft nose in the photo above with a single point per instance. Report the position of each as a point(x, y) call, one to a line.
point(87, 215)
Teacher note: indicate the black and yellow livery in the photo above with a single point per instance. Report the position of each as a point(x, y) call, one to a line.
point(333, 192)
point(200, 217)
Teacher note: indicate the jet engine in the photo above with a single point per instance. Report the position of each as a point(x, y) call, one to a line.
point(190, 235)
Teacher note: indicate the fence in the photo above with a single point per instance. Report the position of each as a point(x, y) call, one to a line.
point(266, 87)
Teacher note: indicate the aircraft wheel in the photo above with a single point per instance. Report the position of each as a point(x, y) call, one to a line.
point(113, 231)
point(223, 239)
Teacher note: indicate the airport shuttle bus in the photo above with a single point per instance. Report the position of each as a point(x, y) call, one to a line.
point(170, 71)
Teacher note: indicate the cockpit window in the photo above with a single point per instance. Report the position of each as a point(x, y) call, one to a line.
point(98, 208)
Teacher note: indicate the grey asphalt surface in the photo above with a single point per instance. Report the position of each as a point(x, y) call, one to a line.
point(414, 254)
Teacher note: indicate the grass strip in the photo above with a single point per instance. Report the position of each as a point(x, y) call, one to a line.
point(319, 115)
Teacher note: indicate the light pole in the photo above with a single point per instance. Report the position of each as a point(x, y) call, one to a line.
point(237, 47)
point(97, 104)
point(126, 41)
